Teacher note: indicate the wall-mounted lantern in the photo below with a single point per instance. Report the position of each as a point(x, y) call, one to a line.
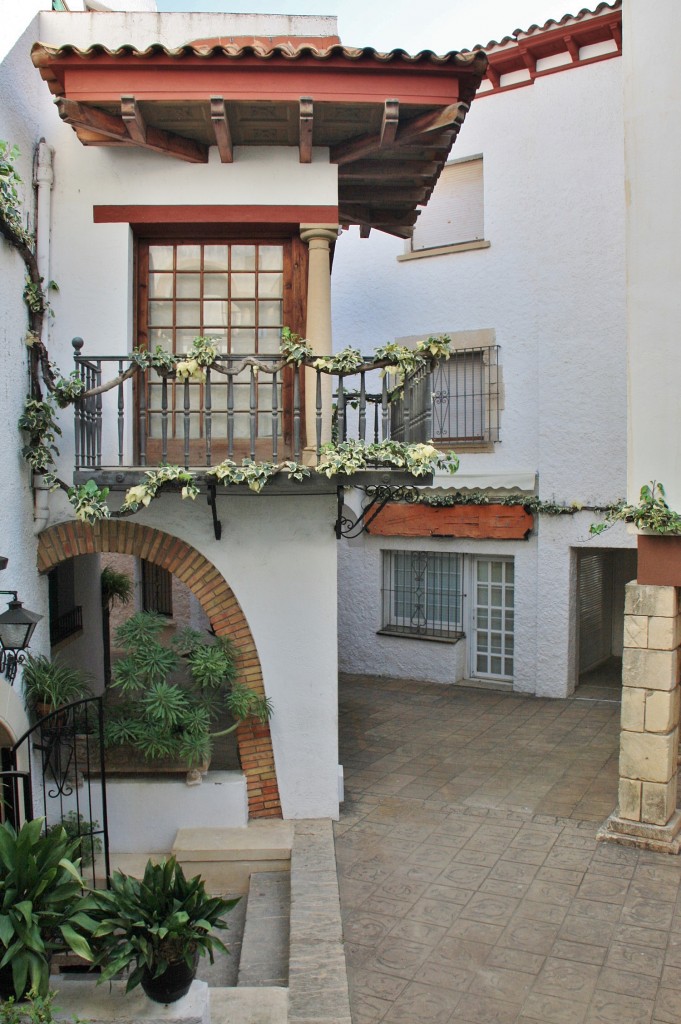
point(16, 629)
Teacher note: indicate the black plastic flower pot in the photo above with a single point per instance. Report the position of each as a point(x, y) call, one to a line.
point(170, 986)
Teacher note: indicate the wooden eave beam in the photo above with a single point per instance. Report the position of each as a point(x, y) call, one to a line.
point(404, 172)
point(384, 193)
point(398, 230)
point(112, 127)
point(435, 121)
point(306, 124)
point(133, 120)
point(572, 48)
point(389, 123)
point(375, 215)
point(221, 129)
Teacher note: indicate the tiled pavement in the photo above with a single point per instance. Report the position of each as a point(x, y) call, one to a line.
point(472, 887)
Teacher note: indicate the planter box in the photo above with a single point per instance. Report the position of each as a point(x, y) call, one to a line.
point(127, 760)
point(493, 522)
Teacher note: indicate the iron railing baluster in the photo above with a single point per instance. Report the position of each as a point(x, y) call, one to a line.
point(164, 419)
point(121, 415)
point(186, 421)
point(362, 428)
point(230, 415)
point(144, 374)
point(252, 410)
point(207, 418)
point(275, 417)
point(296, 414)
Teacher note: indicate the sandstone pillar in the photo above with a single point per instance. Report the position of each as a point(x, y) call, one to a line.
point(318, 331)
point(649, 739)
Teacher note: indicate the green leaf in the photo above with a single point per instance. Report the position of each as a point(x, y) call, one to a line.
point(76, 942)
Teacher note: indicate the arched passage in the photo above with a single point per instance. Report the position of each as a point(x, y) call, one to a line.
point(71, 539)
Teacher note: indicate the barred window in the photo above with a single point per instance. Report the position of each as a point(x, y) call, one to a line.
point(157, 589)
point(423, 593)
point(466, 396)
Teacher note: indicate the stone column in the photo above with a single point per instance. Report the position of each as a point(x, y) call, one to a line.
point(318, 330)
point(649, 740)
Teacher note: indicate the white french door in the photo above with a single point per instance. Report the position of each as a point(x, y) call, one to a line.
point(492, 619)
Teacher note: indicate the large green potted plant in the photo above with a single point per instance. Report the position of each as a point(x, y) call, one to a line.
point(116, 588)
point(40, 893)
point(50, 684)
point(155, 928)
point(171, 696)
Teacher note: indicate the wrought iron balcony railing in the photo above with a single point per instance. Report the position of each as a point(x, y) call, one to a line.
point(252, 406)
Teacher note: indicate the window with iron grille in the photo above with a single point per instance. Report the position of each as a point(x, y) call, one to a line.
point(465, 391)
point(157, 589)
point(423, 593)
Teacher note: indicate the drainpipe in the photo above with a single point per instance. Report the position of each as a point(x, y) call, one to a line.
point(43, 179)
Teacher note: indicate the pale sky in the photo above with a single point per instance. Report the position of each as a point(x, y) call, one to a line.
point(438, 25)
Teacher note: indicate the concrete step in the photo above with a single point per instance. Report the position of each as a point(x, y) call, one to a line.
point(226, 857)
point(248, 1005)
point(265, 944)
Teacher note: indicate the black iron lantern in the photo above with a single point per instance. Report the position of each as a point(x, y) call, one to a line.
point(16, 629)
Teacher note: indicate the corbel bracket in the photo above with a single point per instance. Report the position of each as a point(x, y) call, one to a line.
point(217, 525)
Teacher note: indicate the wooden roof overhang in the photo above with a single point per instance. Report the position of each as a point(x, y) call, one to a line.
point(388, 119)
point(523, 50)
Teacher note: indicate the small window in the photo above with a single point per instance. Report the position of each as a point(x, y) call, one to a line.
point(423, 593)
point(466, 396)
point(157, 589)
point(455, 212)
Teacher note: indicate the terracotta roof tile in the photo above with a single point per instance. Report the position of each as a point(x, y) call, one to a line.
point(263, 50)
point(585, 12)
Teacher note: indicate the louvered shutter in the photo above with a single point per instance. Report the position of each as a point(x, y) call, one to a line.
point(594, 610)
point(455, 210)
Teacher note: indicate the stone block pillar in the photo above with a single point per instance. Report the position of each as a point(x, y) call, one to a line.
point(647, 815)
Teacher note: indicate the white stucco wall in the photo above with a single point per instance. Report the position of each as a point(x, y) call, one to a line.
point(546, 659)
point(653, 171)
point(171, 30)
point(278, 554)
point(552, 287)
point(551, 284)
point(19, 124)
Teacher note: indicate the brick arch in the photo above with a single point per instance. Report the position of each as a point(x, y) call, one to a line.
point(70, 539)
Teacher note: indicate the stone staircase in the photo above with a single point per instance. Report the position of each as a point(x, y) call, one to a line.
point(290, 968)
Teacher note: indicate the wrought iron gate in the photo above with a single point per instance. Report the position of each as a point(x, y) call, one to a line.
point(56, 771)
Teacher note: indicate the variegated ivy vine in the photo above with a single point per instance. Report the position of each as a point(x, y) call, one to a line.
point(38, 419)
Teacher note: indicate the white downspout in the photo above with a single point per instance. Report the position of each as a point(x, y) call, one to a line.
point(43, 179)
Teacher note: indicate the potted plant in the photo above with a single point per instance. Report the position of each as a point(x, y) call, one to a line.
point(173, 695)
point(156, 928)
point(89, 843)
point(49, 684)
point(40, 895)
point(116, 588)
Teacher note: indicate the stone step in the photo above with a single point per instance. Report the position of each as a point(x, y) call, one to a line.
point(265, 944)
point(226, 857)
point(248, 1005)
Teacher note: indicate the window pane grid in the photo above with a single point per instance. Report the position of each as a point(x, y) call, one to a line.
point(231, 293)
point(423, 593)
